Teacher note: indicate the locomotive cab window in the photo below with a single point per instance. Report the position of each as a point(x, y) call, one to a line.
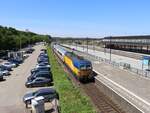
point(82, 67)
point(88, 67)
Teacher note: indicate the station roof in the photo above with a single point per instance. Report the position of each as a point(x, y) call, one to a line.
point(129, 37)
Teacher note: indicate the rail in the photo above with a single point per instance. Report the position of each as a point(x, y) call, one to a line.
point(101, 101)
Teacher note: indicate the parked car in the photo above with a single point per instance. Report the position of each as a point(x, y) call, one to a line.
point(37, 82)
point(5, 58)
point(44, 50)
point(19, 60)
point(43, 54)
point(39, 60)
point(42, 65)
point(1, 75)
point(4, 72)
point(6, 67)
point(35, 70)
point(10, 64)
point(14, 62)
point(29, 50)
point(40, 74)
point(48, 93)
point(46, 63)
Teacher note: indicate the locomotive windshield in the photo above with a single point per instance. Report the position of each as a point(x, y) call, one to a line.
point(85, 67)
point(88, 67)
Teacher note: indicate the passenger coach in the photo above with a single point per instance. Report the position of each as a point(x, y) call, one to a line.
point(81, 67)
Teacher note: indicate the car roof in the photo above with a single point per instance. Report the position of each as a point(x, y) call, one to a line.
point(46, 90)
point(43, 66)
point(43, 78)
point(7, 63)
point(43, 63)
point(43, 72)
point(38, 68)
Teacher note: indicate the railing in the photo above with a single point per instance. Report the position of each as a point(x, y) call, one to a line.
point(120, 65)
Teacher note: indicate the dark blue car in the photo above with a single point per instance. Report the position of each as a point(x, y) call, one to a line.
point(5, 68)
point(35, 70)
point(48, 93)
point(38, 82)
point(45, 74)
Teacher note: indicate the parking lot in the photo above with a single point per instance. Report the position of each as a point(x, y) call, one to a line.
point(13, 87)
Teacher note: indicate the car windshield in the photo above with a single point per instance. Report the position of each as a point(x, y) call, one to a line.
point(42, 93)
point(44, 69)
point(34, 93)
point(39, 80)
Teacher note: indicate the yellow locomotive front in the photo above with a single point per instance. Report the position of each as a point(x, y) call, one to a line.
point(81, 67)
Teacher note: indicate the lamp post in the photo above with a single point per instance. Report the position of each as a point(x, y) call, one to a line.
point(20, 43)
point(110, 47)
point(104, 45)
point(76, 44)
point(82, 42)
point(87, 43)
point(93, 46)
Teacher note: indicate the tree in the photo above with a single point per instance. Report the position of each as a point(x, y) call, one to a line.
point(11, 38)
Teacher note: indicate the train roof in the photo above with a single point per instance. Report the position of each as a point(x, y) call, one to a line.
point(62, 50)
point(77, 59)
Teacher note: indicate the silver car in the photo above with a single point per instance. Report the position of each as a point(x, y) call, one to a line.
point(4, 72)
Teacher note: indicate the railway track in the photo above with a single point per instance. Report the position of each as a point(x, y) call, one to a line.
point(99, 100)
point(130, 54)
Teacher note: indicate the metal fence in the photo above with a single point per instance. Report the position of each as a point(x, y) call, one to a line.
point(120, 65)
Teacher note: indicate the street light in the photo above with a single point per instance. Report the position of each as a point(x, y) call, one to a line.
point(82, 43)
point(76, 44)
point(93, 46)
point(20, 43)
point(110, 47)
point(87, 43)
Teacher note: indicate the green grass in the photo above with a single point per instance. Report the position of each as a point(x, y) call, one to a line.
point(71, 98)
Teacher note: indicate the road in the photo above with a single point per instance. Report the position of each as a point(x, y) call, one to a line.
point(13, 88)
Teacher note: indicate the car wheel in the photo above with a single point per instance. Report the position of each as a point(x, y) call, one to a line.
point(27, 103)
point(57, 96)
point(28, 86)
point(1, 78)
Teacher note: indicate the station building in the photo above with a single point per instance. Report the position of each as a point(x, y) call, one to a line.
point(128, 43)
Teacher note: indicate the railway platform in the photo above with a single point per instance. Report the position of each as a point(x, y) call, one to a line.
point(129, 90)
point(135, 90)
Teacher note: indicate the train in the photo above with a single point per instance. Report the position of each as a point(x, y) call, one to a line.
point(81, 68)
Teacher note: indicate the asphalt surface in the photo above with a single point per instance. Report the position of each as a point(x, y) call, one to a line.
point(12, 89)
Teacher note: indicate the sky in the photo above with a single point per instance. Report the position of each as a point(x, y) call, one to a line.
point(78, 18)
